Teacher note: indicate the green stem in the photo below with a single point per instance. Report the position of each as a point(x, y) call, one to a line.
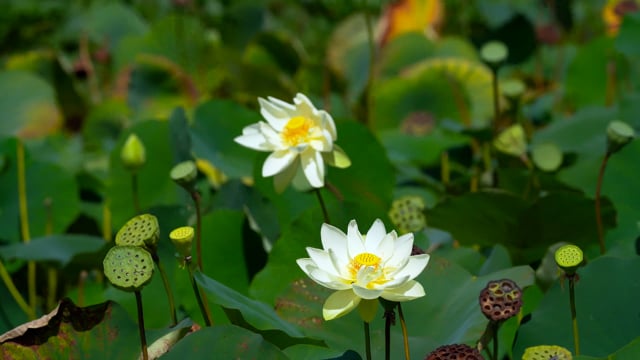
point(574, 319)
point(603, 166)
point(388, 319)
point(134, 192)
point(8, 282)
point(143, 337)
point(495, 346)
point(24, 225)
point(52, 273)
point(367, 340)
point(322, 205)
point(496, 101)
point(196, 291)
point(372, 61)
point(167, 289)
point(196, 202)
point(405, 334)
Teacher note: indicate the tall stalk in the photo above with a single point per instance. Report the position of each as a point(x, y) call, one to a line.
point(24, 225)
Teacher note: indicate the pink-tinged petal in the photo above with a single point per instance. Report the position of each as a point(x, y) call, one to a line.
point(282, 179)
point(414, 266)
point(277, 162)
point(402, 250)
point(409, 291)
point(374, 236)
point(313, 167)
point(365, 293)
point(339, 304)
point(276, 116)
point(323, 260)
point(355, 243)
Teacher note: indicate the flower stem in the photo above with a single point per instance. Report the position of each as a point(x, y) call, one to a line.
point(496, 101)
point(574, 320)
point(405, 334)
point(134, 192)
point(167, 289)
point(8, 282)
point(52, 273)
point(143, 337)
point(603, 166)
point(24, 226)
point(389, 319)
point(196, 291)
point(323, 206)
point(195, 196)
point(367, 340)
point(495, 346)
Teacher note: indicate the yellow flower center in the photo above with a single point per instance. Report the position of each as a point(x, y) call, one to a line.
point(297, 130)
point(364, 259)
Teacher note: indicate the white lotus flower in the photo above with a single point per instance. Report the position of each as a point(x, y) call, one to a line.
point(378, 264)
point(300, 137)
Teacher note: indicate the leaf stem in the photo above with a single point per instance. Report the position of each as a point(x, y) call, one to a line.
point(205, 312)
point(603, 166)
point(143, 337)
point(135, 193)
point(195, 196)
point(24, 226)
point(323, 206)
point(4, 274)
point(367, 340)
point(405, 334)
point(574, 319)
point(167, 289)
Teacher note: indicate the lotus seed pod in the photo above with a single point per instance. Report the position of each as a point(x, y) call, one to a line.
point(407, 214)
point(455, 352)
point(546, 352)
point(128, 268)
point(619, 134)
point(142, 230)
point(133, 154)
point(185, 174)
point(182, 238)
point(500, 300)
point(569, 258)
point(494, 52)
point(512, 141)
point(512, 88)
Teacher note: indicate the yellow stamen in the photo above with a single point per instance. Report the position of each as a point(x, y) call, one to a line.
point(297, 130)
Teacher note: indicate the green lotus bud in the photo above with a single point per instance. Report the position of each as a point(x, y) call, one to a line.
point(619, 134)
point(128, 268)
point(182, 238)
point(133, 154)
point(569, 258)
point(184, 174)
point(142, 230)
point(494, 52)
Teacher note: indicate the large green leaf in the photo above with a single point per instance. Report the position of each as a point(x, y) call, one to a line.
point(28, 105)
point(604, 310)
point(60, 249)
point(46, 183)
point(584, 86)
point(215, 125)
point(224, 342)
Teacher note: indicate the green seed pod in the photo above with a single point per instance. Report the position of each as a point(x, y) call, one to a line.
point(619, 134)
point(133, 153)
point(182, 238)
point(128, 268)
point(546, 352)
point(407, 214)
point(142, 230)
point(569, 258)
point(184, 174)
point(494, 52)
